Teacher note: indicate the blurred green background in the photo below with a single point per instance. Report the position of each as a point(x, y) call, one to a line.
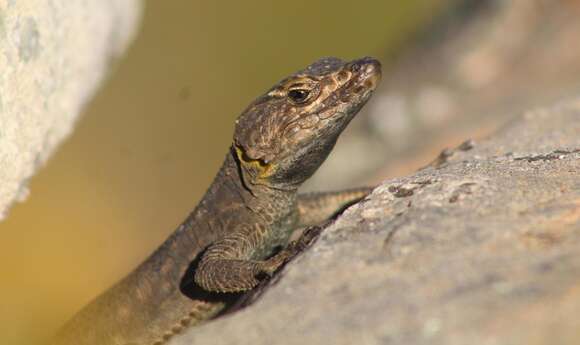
point(154, 136)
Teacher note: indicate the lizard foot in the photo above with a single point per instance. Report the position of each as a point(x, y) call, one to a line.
point(307, 238)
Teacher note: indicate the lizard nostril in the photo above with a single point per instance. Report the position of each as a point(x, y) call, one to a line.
point(372, 67)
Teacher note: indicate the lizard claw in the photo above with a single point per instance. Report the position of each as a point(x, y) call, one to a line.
point(308, 237)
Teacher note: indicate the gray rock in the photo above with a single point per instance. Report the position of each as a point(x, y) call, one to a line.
point(53, 55)
point(481, 248)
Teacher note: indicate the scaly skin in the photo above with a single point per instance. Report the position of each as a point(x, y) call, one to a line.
point(229, 242)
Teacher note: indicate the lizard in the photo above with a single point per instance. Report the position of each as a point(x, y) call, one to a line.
point(231, 241)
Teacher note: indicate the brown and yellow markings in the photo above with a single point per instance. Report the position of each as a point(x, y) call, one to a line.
point(257, 163)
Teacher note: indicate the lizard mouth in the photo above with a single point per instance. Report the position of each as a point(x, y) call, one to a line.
point(365, 75)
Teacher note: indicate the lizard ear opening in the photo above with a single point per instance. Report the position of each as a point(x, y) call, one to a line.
point(258, 164)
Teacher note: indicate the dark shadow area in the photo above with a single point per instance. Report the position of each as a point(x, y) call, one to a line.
point(189, 288)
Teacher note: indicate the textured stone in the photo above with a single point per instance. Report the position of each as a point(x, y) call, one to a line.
point(482, 249)
point(53, 55)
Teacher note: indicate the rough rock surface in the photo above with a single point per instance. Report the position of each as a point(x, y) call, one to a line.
point(480, 248)
point(53, 55)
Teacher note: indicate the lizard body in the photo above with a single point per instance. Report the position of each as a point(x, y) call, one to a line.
point(230, 241)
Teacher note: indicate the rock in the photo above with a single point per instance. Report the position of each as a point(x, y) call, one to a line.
point(53, 55)
point(480, 248)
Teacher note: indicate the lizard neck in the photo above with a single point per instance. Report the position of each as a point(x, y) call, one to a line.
point(228, 202)
point(231, 196)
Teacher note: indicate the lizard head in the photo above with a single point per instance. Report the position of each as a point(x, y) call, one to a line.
point(285, 135)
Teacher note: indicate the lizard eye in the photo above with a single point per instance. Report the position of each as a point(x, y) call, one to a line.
point(298, 95)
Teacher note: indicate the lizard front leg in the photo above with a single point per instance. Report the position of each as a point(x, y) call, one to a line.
point(315, 208)
point(226, 265)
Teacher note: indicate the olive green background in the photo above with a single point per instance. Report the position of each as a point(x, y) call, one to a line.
point(153, 137)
